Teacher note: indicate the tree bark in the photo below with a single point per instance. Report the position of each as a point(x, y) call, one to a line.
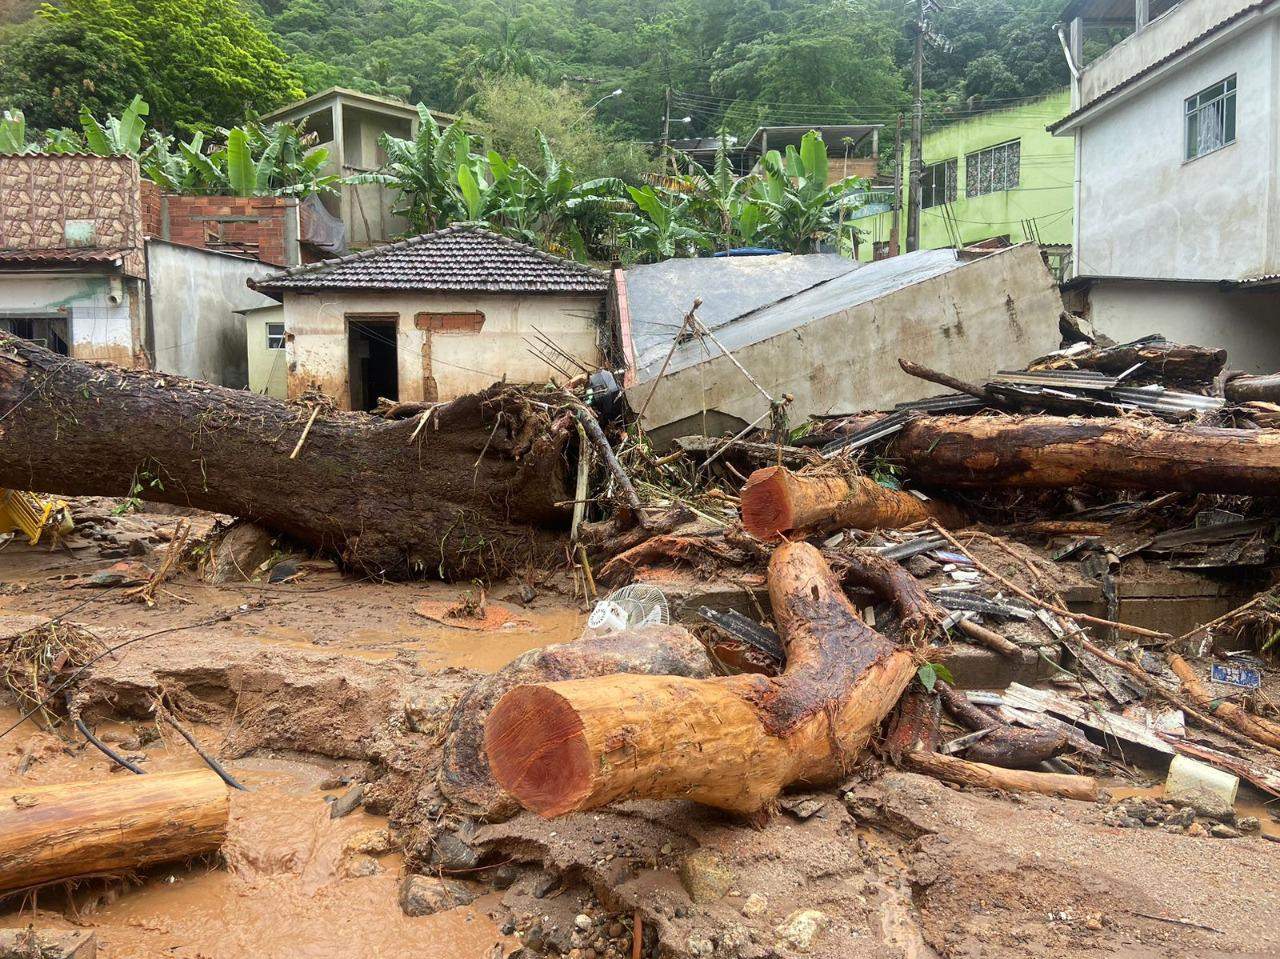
point(1005, 745)
point(965, 773)
point(732, 742)
point(1055, 452)
point(776, 502)
point(470, 492)
point(1169, 360)
point(49, 833)
point(1248, 389)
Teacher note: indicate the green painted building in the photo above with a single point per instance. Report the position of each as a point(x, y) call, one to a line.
point(996, 175)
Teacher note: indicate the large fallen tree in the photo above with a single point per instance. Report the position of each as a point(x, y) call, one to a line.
point(732, 742)
point(466, 488)
point(1057, 452)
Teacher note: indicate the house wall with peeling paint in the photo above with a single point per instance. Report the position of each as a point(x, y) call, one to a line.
point(441, 364)
point(104, 312)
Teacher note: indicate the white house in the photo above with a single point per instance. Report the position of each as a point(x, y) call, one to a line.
point(430, 318)
point(1177, 183)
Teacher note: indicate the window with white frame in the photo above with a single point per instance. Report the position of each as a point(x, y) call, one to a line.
point(993, 169)
point(1211, 118)
point(275, 336)
point(938, 184)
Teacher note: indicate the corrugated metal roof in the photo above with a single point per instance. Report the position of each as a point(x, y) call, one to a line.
point(457, 259)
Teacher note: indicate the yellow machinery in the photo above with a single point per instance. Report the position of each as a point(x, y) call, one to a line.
point(33, 514)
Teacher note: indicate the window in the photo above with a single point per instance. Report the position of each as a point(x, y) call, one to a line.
point(938, 184)
point(1211, 118)
point(993, 169)
point(449, 322)
point(275, 336)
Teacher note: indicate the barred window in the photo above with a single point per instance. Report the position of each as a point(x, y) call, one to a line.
point(1211, 118)
point(993, 169)
point(938, 184)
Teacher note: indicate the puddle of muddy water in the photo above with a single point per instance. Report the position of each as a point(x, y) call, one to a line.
point(283, 890)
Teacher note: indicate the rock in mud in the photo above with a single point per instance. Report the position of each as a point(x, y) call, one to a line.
point(1210, 805)
point(755, 906)
point(503, 877)
point(235, 553)
point(50, 943)
point(360, 866)
point(1220, 830)
point(1197, 829)
point(706, 876)
point(656, 650)
point(1249, 824)
point(426, 895)
point(801, 929)
point(346, 803)
point(451, 854)
point(371, 842)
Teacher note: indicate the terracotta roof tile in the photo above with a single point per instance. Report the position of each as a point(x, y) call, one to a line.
point(461, 259)
point(62, 256)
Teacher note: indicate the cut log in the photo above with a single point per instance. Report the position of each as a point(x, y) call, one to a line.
point(732, 742)
point(915, 725)
point(471, 494)
point(1005, 745)
point(776, 502)
point(1055, 452)
point(50, 833)
point(965, 773)
point(1255, 727)
point(465, 777)
point(1174, 361)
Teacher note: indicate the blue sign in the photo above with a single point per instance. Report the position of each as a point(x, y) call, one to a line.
point(1236, 676)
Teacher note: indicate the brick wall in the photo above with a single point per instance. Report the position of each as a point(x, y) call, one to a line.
point(253, 226)
point(61, 201)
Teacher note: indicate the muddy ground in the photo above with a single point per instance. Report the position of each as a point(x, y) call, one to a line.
point(310, 686)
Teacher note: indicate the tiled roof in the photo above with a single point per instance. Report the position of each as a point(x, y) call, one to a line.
point(457, 259)
point(72, 255)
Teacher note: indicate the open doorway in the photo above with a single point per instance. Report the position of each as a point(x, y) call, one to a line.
point(371, 360)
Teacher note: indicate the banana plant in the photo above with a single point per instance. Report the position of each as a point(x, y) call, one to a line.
point(803, 208)
point(724, 197)
point(13, 132)
point(119, 136)
point(664, 227)
point(425, 172)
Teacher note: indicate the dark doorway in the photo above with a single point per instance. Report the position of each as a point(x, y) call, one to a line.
point(49, 330)
point(371, 360)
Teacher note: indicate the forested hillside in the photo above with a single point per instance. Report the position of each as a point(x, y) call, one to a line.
point(731, 62)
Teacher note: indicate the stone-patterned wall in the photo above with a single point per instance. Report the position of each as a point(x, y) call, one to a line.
point(55, 202)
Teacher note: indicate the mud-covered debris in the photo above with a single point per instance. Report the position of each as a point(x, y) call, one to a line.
point(450, 854)
point(706, 876)
point(1221, 830)
point(426, 895)
point(346, 803)
point(801, 929)
point(371, 842)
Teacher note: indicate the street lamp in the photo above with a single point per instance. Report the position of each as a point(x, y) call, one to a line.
point(607, 96)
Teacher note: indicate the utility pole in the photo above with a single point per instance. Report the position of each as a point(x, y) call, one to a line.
point(917, 123)
point(666, 125)
point(894, 238)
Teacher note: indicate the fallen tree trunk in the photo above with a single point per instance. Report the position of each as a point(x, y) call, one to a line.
point(469, 491)
point(965, 773)
point(1176, 361)
point(733, 742)
point(776, 501)
point(1054, 452)
point(49, 833)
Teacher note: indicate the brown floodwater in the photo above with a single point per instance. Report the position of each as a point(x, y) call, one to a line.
point(279, 888)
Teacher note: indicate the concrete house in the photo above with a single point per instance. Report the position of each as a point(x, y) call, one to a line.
point(80, 272)
point(432, 317)
point(824, 329)
point(997, 176)
point(349, 124)
point(1177, 196)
